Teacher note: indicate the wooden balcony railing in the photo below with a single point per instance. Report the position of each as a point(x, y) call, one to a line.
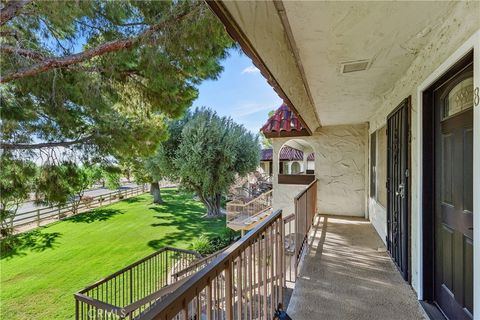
point(297, 226)
point(128, 292)
point(245, 281)
point(305, 210)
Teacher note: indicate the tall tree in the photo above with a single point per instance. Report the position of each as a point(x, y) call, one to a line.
point(212, 152)
point(103, 74)
point(100, 77)
point(16, 182)
point(162, 164)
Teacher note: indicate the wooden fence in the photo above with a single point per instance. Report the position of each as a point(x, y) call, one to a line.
point(34, 218)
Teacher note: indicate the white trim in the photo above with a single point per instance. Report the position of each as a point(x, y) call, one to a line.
point(476, 181)
point(472, 43)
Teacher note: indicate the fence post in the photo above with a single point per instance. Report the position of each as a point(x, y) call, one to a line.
point(58, 212)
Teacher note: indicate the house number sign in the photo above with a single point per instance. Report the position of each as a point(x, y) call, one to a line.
point(476, 97)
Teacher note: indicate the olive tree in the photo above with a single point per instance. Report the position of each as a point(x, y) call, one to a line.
point(212, 151)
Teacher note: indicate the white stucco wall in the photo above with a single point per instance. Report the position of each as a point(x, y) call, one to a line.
point(283, 197)
point(340, 167)
point(456, 29)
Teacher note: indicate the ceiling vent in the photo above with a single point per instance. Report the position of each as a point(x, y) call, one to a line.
point(354, 66)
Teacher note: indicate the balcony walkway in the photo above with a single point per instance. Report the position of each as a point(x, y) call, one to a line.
point(347, 274)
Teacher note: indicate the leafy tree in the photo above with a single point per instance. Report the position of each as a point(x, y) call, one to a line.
point(162, 164)
point(213, 150)
point(266, 143)
point(100, 77)
point(95, 174)
point(59, 184)
point(112, 180)
point(16, 182)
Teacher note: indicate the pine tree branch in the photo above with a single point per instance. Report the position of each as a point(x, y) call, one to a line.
point(31, 146)
point(108, 47)
point(11, 9)
point(22, 52)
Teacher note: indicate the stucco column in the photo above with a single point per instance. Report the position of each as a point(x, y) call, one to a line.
point(305, 162)
point(289, 167)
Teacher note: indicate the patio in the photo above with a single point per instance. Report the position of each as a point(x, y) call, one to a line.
point(347, 274)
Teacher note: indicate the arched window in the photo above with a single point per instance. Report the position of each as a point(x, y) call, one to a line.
point(295, 168)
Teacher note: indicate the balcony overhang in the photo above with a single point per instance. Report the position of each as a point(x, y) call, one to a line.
point(313, 53)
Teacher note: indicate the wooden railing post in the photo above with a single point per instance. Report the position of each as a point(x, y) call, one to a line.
point(228, 291)
point(239, 287)
point(209, 300)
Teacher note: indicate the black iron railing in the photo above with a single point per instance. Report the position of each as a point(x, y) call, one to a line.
point(127, 293)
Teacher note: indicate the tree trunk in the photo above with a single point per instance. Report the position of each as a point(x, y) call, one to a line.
point(155, 192)
point(213, 204)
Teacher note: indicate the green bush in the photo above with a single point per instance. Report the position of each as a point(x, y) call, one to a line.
point(205, 245)
point(202, 245)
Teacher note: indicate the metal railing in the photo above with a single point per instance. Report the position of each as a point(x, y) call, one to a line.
point(245, 281)
point(245, 213)
point(127, 293)
point(37, 216)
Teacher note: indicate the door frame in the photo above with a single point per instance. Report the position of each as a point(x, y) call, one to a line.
point(428, 152)
point(407, 102)
point(422, 280)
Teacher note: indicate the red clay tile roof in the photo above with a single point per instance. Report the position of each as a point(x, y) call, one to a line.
point(283, 123)
point(287, 153)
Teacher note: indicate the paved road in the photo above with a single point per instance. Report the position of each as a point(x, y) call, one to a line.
point(30, 205)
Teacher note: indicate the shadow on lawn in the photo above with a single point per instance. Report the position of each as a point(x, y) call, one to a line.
point(187, 216)
point(101, 214)
point(36, 241)
point(133, 200)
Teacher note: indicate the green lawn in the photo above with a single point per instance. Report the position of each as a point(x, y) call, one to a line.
point(39, 279)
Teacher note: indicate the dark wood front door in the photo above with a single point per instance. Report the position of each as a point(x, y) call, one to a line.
point(453, 207)
point(398, 186)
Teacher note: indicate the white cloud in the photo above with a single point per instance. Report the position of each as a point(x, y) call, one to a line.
point(249, 109)
point(250, 69)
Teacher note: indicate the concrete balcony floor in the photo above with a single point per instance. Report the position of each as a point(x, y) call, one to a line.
point(347, 274)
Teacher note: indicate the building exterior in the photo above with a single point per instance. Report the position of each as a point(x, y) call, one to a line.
point(388, 96)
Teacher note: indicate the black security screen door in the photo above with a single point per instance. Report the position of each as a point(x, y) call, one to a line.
point(398, 186)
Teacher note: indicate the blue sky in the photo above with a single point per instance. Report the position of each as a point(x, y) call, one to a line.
point(241, 92)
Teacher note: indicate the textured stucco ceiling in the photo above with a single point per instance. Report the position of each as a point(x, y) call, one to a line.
point(329, 33)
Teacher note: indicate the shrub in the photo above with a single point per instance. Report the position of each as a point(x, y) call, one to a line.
point(205, 245)
point(202, 245)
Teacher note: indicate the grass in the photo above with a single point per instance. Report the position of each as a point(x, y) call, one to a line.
point(39, 278)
